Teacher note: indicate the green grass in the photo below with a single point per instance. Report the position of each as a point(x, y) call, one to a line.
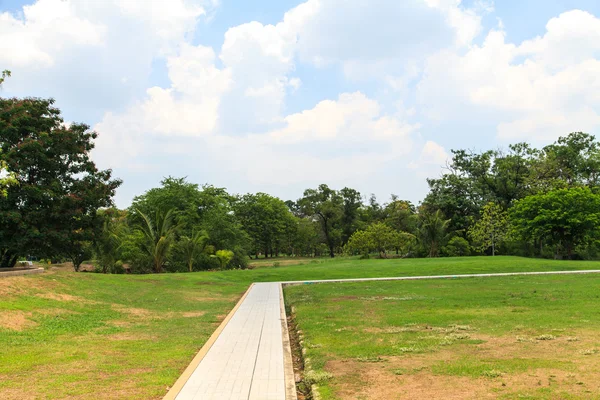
point(485, 330)
point(87, 335)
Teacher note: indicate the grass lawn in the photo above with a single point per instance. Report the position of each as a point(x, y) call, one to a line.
point(68, 335)
point(530, 337)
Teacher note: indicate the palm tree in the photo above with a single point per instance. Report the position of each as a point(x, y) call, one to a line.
point(433, 231)
point(192, 246)
point(159, 236)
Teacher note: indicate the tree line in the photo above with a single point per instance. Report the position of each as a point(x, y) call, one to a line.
point(56, 204)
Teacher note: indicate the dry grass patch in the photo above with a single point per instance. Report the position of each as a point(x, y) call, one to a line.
point(16, 320)
point(419, 375)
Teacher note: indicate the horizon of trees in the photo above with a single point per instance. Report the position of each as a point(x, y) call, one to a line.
point(55, 204)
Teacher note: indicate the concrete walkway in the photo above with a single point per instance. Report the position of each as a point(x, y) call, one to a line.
point(249, 358)
point(246, 361)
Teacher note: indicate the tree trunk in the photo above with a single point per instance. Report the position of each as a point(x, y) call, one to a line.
point(13, 261)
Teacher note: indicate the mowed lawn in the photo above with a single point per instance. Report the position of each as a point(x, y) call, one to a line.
point(85, 335)
point(522, 337)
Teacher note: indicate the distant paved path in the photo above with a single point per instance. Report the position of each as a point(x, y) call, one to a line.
point(248, 357)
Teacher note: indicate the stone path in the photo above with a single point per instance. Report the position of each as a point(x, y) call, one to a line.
point(248, 357)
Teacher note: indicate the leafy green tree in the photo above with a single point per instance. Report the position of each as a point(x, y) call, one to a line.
point(266, 219)
point(224, 257)
point(457, 247)
point(383, 238)
point(184, 198)
point(360, 242)
point(192, 246)
point(433, 230)
point(563, 218)
point(491, 229)
point(400, 215)
point(159, 235)
point(326, 206)
point(351, 207)
point(306, 238)
point(108, 241)
point(404, 243)
point(59, 189)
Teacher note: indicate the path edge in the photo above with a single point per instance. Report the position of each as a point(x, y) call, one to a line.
point(288, 364)
point(187, 373)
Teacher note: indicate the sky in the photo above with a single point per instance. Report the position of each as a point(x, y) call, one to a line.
point(278, 96)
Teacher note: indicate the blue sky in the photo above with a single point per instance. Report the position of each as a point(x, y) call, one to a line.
point(279, 96)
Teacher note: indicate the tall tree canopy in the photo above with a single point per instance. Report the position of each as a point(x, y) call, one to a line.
point(54, 204)
point(563, 218)
point(327, 206)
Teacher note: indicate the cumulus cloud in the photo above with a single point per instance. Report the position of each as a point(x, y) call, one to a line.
point(91, 55)
point(538, 89)
point(406, 66)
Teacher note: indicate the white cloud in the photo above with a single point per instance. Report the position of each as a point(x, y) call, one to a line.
point(537, 90)
point(91, 55)
point(47, 28)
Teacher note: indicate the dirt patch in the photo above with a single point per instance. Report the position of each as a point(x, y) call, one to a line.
point(193, 314)
point(16, 320)
point(257, 264)
point(411, 376)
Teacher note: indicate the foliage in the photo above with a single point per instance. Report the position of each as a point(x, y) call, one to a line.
point(224, 257)
point(432, 230)
point(59, 189)
point(491, 229)
point(6, 177)
point(267, 220)
point(191, 247)
point(326, 206)
point(457, 247)
point(562, 219)
point(5, 74)
point(381, 238)
point(158, 237)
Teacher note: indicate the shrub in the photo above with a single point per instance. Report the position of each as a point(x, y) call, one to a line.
point(457, 246)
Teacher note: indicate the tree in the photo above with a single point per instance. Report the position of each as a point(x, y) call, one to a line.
point(350, 213)
point(404, 243)
point(457, 247)
point(562, 218)
point(326, 205)
point(184, 198)
point(224, 257)
point(400, 215)
point(491, 229)
point(265, 218)
point(360, 242)
point(192, 246)
point(108, 240)
point(433, 230)
point(159, 236)
point(58, 189)
point(383, 238)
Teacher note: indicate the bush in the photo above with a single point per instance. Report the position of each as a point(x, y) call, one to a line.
point(457, 246)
